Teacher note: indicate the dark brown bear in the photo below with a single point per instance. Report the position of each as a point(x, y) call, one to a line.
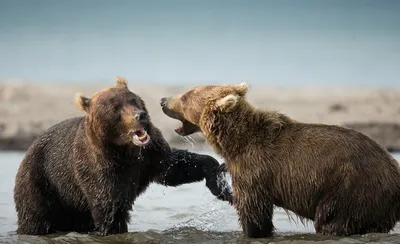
point(339, 178)
point(85, 173)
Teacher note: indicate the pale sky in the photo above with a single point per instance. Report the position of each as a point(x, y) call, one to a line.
point(223, 41)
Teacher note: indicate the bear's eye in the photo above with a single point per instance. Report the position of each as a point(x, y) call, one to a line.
point(117, 106)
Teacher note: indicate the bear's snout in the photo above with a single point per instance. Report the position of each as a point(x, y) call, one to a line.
point(163, 101)
point(141, 116)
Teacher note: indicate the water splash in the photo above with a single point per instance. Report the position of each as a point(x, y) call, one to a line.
point(189, 140)
point(224, 181)
point(217, 211)
point(140, 155)
point(210, 221)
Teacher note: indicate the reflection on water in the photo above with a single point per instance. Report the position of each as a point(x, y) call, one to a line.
point(184, 214)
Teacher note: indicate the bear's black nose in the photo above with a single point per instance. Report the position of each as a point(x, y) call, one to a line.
point(163, 101)
point(141, 116)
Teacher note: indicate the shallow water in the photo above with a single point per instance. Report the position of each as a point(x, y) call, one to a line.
point(184, 214)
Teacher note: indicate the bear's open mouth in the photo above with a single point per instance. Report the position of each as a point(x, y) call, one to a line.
point(140, 137)
point(179, 130)
point(186, 128)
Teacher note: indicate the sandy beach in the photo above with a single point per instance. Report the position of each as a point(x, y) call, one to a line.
point(27, 109)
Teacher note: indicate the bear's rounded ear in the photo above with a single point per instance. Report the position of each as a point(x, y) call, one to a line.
point(121, 82)
point(226, 103)
point(242, 88)
point(82, 102)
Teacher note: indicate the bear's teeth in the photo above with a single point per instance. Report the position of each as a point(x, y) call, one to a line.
point(144, 135)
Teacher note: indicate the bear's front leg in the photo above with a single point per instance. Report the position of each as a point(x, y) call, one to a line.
point(106, 199)
point(107, 203)
point(256, 221)
point(182, 167)
point(217, 183)
point(108, 219)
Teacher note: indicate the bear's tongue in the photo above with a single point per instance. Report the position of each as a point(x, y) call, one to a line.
point(143, 139)
point(141, 135)
point(179, 130)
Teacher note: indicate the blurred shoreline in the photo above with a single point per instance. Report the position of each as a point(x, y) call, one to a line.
point(28, 109)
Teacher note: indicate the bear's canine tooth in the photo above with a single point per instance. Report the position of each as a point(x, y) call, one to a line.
point(144, 135)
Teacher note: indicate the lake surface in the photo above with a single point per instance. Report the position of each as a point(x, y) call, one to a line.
point(184, 214)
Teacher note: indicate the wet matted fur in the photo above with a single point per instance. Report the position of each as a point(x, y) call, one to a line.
point(84, 174)
point(337, 177)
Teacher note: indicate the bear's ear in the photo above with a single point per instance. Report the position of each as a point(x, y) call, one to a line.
point(226, 103)
point(242, 88)
point(121, 82)
point(82, 102)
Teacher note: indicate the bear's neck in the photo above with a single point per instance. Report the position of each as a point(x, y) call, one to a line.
point(232, 133)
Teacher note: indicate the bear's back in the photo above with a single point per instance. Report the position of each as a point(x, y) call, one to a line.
point(48, 158)
point(57, 141)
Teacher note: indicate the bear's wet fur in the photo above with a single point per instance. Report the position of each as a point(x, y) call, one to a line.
point(337, 177)
point(84, 174)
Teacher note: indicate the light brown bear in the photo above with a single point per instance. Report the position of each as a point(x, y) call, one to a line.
point(337, 177)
